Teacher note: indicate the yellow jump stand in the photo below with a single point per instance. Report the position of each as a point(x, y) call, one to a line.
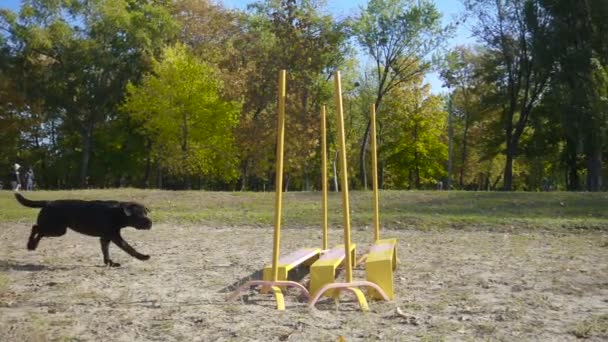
point(350, 285)
point(382, 258)
point(323, 271)
point(303, 256)
point(275, 278)
point(380, 266)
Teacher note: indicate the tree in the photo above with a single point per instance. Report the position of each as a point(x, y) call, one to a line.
point(413, 131)
point(460, 75)
point(88, 51)
point(515, 32)
point(180, 111)
point(580, 83)
point(398, 35)
point(297, 36)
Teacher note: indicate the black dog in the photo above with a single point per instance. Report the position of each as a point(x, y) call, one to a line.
point(103, 219)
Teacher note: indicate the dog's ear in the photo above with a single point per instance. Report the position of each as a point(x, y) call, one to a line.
point(126, 208)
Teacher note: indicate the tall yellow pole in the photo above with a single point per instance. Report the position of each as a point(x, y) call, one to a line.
point(375, 174)
point(279, 175)
point(324, 173)
point(344, 178)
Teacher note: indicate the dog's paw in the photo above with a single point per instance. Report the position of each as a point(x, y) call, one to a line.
point(31, 245)
point(112, 264)
point(144, 257)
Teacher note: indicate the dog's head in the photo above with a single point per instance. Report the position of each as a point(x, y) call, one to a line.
point(136, 215)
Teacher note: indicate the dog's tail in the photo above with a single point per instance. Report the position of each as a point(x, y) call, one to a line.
point(30, 203)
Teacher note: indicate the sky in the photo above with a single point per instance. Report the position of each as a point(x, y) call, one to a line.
point(451, 10)
point(342, 8)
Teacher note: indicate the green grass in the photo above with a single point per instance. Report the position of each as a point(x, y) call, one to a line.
point(424, 210)
point(4, 283)
point(592, 327)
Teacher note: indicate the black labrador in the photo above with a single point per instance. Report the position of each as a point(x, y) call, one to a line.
point(103, 219)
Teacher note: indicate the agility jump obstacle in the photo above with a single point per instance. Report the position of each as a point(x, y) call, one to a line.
point(381, 261)
point(349, 285)
point(275, 277)
point(323, 271)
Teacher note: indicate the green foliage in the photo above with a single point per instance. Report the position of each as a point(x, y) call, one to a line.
point(298, 36)
point(413, 131)
point(515, 33)
point(528, 104)
point(399, 35)
point(180, 111)
point(74, 59)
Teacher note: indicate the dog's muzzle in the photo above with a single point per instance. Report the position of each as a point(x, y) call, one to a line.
point(144, 223)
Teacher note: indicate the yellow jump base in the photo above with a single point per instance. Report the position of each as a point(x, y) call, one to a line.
point(350, 287)
point(305, 256)
point(323, 271)
point(380, 265)
point(275, 286)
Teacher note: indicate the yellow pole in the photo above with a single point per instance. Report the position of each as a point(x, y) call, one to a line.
point(324, 173)
point(375, 175)
point(344, 178)
point(279, 176)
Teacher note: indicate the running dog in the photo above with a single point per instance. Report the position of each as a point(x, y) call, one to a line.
point(103, 219)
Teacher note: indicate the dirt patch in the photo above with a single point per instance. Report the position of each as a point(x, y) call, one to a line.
point(453, 285)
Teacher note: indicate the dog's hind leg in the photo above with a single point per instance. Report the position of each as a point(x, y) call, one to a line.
point(34, 239)
point(118, 240)
point(105, 249)
point(41, 230)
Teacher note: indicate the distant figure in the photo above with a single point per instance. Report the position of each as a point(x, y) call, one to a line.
point(15, 179)
point(29, 180)
point(440, 185)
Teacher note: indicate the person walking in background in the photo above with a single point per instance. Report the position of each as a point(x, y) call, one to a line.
point(440, 185)
point(15, 179)
point(29, 180)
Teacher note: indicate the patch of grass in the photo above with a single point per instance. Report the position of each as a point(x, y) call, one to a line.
point(4, 283)
point(70, 339)
point(592, 327)
point(421, 210)
point(438, 330)
point(89, 295)
point(38, 326)
point(485, 329)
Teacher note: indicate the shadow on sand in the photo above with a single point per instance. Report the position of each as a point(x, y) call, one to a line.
point(297, 274)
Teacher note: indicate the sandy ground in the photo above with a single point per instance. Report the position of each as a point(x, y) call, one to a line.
point(451, 285)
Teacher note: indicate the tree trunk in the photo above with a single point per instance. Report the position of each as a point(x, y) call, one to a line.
point(87, 140)
point(159, 176)
point(572, 178)
point(335, 169)
point(381, 175)
point(508, 174)
point(362, 155)
point(463, 158)
point(573, 181)
point(363, 151)
point(306, 182)
point(450, 146)
point(244, 174)
point(416, 161)
point(594, 170)
point(510, 154)
point(146, 181)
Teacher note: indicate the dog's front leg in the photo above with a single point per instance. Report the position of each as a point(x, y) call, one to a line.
point(118, 240)
point(34, 239)
point(105, 249)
